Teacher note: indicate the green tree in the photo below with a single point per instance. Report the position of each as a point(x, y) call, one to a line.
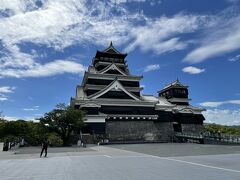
point(228, 130)
point(63, 120)
point(31, 131)
point(2, 126)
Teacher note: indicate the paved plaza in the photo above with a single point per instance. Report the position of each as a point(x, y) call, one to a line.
point(120, 162)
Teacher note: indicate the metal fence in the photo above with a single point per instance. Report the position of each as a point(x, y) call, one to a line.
point(207, 137)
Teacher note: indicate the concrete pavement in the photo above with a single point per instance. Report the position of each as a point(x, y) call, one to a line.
point(115, 163)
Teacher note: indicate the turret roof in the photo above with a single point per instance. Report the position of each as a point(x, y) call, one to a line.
point(175, 83)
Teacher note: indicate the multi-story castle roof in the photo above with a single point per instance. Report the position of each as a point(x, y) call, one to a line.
point(108, 82)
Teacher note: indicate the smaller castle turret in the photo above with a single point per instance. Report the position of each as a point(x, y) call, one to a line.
point(175, 93)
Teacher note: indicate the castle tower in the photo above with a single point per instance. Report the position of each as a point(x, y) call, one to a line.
point(116, 108)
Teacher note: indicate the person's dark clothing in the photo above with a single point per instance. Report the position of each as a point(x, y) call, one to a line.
point(45, 143)
point(44, 148)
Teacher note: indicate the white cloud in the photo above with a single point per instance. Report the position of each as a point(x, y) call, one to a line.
point(49, 69)
point(151, 67)
point(34, 108)
point(11, 118)
point(56, 24)
point(225, 116)
point(60, 24)
point(19, 6)
point(3, 98)
point(30, 109)
point(5, 90)
point(18, 64)
point(211, 104)
point(219, 103)
point(223, 37)
point(163, 34)
point(192, 70)
point(14, 118)
point(236, 58)
point(126, 1)
point(152, 2)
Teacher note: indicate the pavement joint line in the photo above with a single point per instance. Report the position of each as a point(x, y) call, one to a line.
point(30, 176)
point(196, 164)
point(50, 157)
point(107, 156)
point(137, 156)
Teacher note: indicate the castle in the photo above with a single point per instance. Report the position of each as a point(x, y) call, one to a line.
point(115, 107)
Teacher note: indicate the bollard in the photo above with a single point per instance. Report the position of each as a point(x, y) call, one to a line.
point(5, 146)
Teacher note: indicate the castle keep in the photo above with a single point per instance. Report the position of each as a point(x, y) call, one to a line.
point(116, 108)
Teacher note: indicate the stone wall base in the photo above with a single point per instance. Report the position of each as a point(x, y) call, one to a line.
point(192, 128)
point(139, 131)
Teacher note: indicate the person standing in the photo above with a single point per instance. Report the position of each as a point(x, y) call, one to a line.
point(44, 147)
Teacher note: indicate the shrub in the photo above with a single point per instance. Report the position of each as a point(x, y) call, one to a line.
point(9, 138)
point(55, 139)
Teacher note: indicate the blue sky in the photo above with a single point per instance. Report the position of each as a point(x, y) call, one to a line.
point(46, 45)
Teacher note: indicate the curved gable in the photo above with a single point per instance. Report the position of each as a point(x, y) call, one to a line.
point(112, 67)
point(116, 86)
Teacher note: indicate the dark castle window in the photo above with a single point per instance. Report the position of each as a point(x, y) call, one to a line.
point(99, 81)
point(180, 91)
point(130, 83)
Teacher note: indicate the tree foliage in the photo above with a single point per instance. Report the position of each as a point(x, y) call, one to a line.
point(228, 130)
point(55, 139)
point(31, 131)
point(63, 120)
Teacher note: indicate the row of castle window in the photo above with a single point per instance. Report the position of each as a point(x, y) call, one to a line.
point(111, 59)
point(180, 91)
point(177, 91)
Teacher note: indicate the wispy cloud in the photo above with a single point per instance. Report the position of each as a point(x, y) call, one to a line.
point(221, 38)
point(14, 118)
point(30, 109)
point(11, 118)
point(192, 70)
point(127, 1)
point(56, 24)
point(236, 58)
point(4, 90)
point(35, 108)
point(219, 103)
point(60, 24)
point(151, 67)
point(164, 34)
point(42, 70)
point(3, 98)
point(222, 116)
point(152, 2)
